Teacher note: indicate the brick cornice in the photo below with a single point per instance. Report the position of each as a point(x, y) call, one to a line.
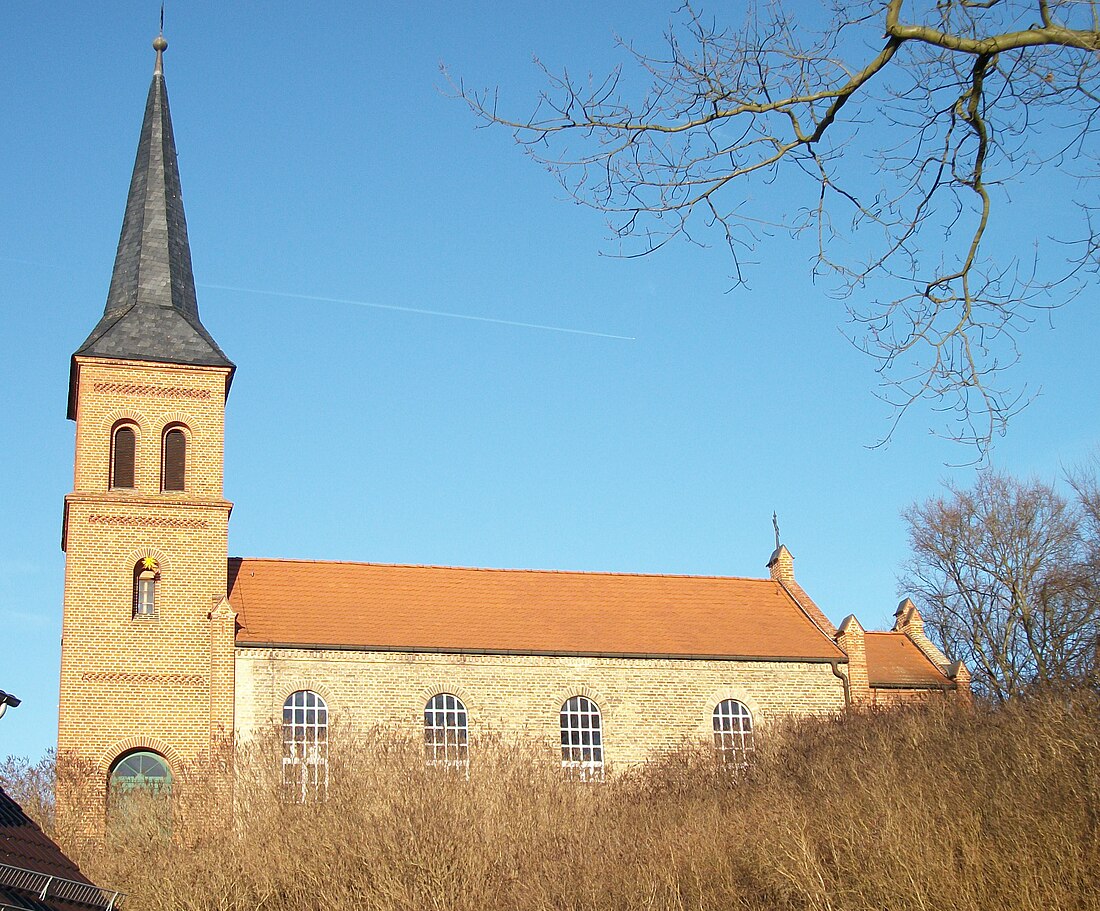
point(118, 502)
point(139, 742)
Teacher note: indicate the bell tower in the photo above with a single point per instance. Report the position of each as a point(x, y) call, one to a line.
point(146, 662)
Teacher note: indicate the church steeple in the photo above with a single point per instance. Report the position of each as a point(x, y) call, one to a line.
point(146, 629)
point(152, 313)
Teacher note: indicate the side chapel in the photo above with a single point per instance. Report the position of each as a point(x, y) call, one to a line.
point(170, 646)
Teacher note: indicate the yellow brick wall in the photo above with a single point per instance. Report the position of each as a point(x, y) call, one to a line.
point(646, 704)
point(151, 396)
point(129, 681)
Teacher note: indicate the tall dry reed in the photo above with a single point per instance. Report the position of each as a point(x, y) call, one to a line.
point(928, 808)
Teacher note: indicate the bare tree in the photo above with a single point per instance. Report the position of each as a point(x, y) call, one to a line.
point(1006, 576)
point(896, 121)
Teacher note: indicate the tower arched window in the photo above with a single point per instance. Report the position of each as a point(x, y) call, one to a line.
point(146, 579)
point(305, 744)
point(138, 789)
point(173, 475)
point(123, 456)
point(446, 735)
point(732, 730)
point(143, 770)
point(582, 736)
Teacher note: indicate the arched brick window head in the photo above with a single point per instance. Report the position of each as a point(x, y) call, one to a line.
point(174, 470)
point(146, 577)
point(123, 453)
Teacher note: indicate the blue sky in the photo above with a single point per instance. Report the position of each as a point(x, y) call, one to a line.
point(323, 162)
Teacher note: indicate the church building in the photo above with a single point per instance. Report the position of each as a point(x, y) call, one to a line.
point(171, 647)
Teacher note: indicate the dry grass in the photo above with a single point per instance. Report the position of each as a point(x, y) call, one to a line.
point(920, 809)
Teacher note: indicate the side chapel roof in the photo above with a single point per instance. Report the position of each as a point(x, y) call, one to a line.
point(152, 312)
point(893, 659)
point(411, 608)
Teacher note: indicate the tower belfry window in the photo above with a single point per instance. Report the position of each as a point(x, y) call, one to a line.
point(123, 457)
point(174, 462)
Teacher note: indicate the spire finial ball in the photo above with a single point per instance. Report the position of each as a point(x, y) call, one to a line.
point(159, 44)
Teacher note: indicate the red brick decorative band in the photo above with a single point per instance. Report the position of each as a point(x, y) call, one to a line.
point(164, 392)
point(147, 521)
point(122, 677)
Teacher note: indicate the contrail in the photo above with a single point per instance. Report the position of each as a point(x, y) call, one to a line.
point(344, 300)
point(466, 316)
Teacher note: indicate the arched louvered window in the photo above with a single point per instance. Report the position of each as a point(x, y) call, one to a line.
point(174, 460)
point(123, 456)
point(146, 577)
point(582, 736)
point(732, 730)
point(445, 731)
point(305, 744)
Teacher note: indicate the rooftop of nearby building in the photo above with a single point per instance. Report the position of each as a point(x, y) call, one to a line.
point(35, 874)
point(458, 609)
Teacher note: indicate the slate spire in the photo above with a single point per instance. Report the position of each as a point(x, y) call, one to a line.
point(151, 312)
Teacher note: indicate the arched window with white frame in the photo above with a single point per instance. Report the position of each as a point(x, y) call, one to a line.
point(582, 736)
point(732, 730)
point(305, 744)
point(446, 733)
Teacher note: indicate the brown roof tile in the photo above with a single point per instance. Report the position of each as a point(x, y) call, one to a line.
point(370, 605)
point(25, 846)
point(894, 660)
point(809, 605)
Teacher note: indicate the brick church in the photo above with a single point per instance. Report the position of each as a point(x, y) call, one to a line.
point(171, 646)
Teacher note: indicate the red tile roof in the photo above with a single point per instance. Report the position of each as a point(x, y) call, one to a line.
point(808, 605)
point(894, 660)
point(382, 606)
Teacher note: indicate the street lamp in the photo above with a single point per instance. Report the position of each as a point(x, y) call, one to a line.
point(7, 699)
